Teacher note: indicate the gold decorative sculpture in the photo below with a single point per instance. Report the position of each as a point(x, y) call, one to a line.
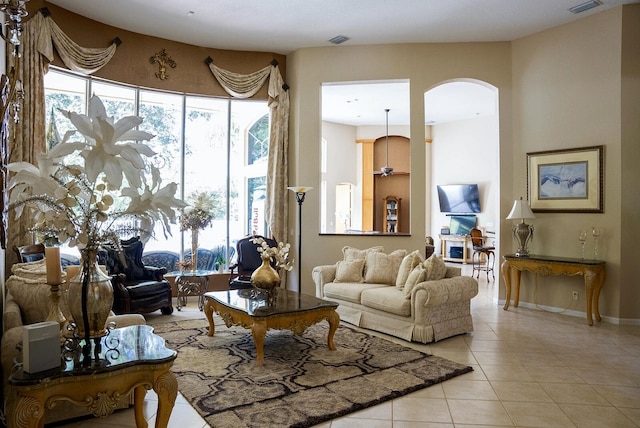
point(163, 60)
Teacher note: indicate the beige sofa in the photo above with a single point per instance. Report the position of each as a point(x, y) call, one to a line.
point(27, 302)
point(399, 294)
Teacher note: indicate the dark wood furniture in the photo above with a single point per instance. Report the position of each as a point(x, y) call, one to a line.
point(483, 257)
point(593, 272)
point(248, 259)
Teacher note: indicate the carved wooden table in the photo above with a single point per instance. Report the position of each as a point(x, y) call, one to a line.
point(593, 272)
point(191, 283)
point(286, 310)
point(132, 359)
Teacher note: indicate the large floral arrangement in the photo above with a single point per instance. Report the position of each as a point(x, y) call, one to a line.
point(199, 213)
point(279, 254)
point(93, 191)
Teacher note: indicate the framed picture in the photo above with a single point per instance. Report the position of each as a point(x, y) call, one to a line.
point(569, 180)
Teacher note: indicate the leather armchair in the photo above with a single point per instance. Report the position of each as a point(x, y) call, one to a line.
point(248, 259)
point(136, 288)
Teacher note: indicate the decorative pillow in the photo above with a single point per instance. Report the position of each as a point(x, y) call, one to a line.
point(351, 253)
point(415, 277)
point(408, 263)
point(349, 271)
point(435, 268)
point(383, 268)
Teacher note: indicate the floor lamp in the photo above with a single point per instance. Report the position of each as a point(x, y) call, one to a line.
point(300, 193)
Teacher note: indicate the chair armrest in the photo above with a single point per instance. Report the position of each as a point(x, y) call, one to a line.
point(155, 273)
point(444, 291)
point(323, 275)
point(12, 315)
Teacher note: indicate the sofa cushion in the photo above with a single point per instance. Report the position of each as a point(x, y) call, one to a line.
point(435, 268)
point(415, 277)
point(351, 253)
point(348, 291)
point(387, 299)
point(349, 271)
point(382, 268)
point(409, 262)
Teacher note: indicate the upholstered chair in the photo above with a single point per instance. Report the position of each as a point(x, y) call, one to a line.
point(136, 288)
point(248, 259)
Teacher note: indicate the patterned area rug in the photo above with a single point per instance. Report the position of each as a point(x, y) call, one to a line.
point(302, 382)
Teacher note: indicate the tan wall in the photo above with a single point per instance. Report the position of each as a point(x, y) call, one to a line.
point(425, 65)
point(629, 161)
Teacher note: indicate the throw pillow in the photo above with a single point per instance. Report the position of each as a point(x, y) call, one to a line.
point(349, 271)
point(382, 268)
point(351, 253)
point(409, 262)
point(415, 277)
point(435, 268)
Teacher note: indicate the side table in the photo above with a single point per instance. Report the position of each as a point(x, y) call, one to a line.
point(132, 359)
point(191, 283)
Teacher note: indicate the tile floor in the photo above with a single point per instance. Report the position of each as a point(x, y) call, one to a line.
point(531, 369)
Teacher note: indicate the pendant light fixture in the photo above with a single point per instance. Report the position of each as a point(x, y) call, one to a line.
point(386, 169)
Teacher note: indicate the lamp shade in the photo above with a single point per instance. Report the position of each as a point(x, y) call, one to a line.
point(520, 210)
point(300, 189)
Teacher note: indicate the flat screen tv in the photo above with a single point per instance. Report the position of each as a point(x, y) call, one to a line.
point(459, 198)
point(461, 224)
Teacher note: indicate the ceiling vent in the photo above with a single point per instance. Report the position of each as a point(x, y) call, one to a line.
point(338, 39)
point(585, 6)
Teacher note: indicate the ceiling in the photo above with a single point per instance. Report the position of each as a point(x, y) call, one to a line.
point(283, 26)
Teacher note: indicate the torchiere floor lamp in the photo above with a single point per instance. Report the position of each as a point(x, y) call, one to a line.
point(300, 192)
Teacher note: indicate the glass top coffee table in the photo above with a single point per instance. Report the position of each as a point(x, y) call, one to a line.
point(285, 310)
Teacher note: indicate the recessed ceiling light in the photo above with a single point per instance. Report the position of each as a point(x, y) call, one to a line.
point(338, 39)
point(585, 6)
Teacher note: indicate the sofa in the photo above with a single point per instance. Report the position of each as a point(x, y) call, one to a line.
point(27, 302)
point(399, 293)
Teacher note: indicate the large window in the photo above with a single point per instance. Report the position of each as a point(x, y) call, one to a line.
point(203, 143)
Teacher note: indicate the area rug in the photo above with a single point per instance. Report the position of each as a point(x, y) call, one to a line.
point(302, 383)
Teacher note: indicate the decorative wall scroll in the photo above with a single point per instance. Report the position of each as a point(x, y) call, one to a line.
point(163, 60)
point(569, 180)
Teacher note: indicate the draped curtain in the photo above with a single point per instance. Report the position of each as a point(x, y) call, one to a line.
point(28, 137)
point(244, 86)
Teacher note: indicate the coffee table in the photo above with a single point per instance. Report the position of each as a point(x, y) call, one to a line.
point(285, 310)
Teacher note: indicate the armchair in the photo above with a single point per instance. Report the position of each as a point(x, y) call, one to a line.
point(136, 288)
point(248, 260)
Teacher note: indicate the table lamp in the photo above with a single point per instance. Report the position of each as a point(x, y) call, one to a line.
point(522, 231)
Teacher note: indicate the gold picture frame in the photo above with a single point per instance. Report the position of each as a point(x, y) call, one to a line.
point(563, 181)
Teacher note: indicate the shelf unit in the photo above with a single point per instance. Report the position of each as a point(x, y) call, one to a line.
point(391, 219)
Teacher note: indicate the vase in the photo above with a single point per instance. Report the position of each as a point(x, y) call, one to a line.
point(194, 249)
point(265, 277)
point(99, 292)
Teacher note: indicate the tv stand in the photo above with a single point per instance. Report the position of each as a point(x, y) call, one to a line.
point(465, 239)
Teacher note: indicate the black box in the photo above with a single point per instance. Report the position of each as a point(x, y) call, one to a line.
point(455, 252)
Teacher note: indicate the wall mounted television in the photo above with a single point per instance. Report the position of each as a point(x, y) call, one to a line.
point(459, 198)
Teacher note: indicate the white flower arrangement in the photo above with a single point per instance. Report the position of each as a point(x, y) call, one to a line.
point(81, 199)
point(279, 254)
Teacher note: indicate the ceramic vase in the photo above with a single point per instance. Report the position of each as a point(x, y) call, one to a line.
point(265, 277)
point(99, 292)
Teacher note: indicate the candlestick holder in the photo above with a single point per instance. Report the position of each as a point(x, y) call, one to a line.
point(55, 314)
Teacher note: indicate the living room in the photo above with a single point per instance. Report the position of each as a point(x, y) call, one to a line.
point(566, 87)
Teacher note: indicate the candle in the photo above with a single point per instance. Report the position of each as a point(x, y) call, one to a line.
point(54, 269)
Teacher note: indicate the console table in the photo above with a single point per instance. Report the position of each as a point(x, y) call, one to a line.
point(593, 272)
point(132, 359)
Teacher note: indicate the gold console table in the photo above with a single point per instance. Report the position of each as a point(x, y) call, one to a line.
point(593, 272)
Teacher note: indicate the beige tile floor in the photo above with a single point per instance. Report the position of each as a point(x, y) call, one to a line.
point(531, 369)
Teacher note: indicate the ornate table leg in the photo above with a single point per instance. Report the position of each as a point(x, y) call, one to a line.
point(334, 322)
point(593, 280)
point(259, 331)
point(516, 287)
point(506, 276)
point(138, 408)
point(596, 293)
point(208, 312)
point(28, 412)
point(166, 387)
